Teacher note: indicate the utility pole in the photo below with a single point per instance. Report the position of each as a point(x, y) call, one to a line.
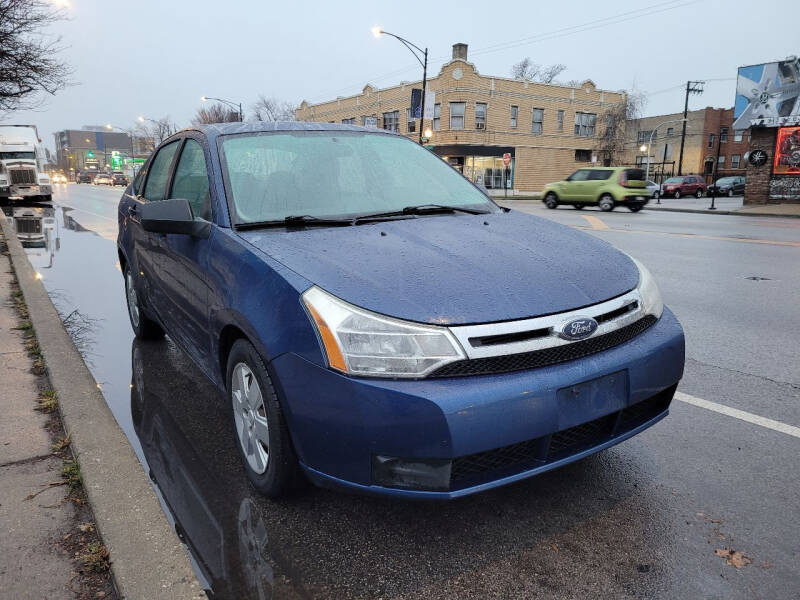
point(692, 87)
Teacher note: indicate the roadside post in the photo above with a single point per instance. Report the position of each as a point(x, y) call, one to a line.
point(715, 172)
point(506, 164)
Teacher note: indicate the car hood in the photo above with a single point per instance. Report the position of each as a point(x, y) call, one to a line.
point(455, 269)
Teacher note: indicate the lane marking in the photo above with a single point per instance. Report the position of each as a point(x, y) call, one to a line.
point(698, 236)
point(596, 223)
point(739, 414)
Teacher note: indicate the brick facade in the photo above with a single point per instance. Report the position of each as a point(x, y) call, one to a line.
point(538, 157)
point(762, 186)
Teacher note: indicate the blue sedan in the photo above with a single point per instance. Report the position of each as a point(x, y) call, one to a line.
point(377, 323)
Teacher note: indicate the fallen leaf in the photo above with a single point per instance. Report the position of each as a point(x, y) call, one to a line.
point(554, 547)
point(733, 557)
point(86, 527)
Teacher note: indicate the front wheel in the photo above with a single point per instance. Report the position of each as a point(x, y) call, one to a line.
point(263, 437)
point(677, 194)
point(143, 327)
point(698, 194)
point(730, 193)
point(657, 195)
point(551, 200)
point(606, 203)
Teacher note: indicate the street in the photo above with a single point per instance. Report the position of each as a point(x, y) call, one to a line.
point(703, 505)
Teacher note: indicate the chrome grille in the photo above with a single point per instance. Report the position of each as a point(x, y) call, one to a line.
point(22, 176)
point(29, 225)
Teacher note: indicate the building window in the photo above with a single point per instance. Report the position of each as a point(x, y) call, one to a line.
point(350, 121)
point(369, 121)
point(584, 124)
point(643, 137)
point(735, 160)
point(391, 120)
point(480, 115)
point(457, 110)
point(437, 117)
point(721, 162)
point(538, 120)
point(611, 124)
point(583, 155)
point(711, 137)
point(670, 130)
point(738, 134)
point(514, 113)
point(723, 135)
point(560, 120)
point(411, 122)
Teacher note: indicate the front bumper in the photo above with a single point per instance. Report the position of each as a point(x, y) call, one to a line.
point(339, 423)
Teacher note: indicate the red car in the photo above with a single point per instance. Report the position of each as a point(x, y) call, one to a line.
point(685, 185)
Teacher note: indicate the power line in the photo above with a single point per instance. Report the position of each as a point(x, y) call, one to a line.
point(563, 32)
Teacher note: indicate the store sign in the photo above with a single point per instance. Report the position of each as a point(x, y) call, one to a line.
point(758, 158)
point(768, 95)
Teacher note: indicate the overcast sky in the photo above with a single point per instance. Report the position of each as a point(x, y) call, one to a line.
point(157, 57)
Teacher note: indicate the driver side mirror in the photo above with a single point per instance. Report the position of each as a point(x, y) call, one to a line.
point(173, 216)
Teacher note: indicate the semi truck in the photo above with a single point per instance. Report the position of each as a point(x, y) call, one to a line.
point(22, 175)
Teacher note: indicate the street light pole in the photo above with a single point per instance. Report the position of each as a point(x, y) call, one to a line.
point(417, 52)
point(714, 172)
point(228, 102)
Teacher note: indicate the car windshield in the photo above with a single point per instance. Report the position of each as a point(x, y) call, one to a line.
point(271, 176)
point(725, 180)
point(674, 180)
point(13, 155)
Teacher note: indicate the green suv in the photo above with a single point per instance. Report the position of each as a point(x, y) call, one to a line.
point(604, 186)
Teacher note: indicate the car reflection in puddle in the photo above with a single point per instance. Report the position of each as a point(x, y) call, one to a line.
point(229, 545)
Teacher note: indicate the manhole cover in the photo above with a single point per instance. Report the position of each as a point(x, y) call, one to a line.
point(757, 278)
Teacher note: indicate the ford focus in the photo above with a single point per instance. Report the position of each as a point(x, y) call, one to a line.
point(377, 323)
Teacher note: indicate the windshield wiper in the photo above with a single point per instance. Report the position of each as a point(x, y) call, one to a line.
point(295, 221)
point(422, 209)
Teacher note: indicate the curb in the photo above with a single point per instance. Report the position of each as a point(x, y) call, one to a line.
point(147, 558)
point(738, 213)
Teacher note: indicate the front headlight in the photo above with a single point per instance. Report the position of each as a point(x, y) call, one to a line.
point(360, 342)
point(648, 290)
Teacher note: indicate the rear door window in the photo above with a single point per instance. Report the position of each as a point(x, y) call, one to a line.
point(599, 175)
point(156, 187)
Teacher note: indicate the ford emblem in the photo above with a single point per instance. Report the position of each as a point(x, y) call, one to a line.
point(578, 329)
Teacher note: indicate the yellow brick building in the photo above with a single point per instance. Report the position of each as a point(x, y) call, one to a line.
point(549, 130)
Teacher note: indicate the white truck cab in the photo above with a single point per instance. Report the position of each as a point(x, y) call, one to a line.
point(21, 173)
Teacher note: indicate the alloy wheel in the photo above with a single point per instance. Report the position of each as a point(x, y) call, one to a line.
point(250, 417)
point(133, 303)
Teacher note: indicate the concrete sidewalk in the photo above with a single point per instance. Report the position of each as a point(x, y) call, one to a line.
point(34, 560)
point(725, 206)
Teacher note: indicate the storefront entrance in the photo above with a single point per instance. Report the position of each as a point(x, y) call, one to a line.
point(483, 165)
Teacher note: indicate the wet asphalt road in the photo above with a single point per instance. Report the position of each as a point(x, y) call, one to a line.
point(640, 520)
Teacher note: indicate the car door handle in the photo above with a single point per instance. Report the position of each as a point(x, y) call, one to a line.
point(132, 210)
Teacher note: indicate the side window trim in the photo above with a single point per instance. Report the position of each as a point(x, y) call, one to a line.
point(180, 141)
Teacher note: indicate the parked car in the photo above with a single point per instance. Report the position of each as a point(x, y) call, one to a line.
point(103, 179)
point(653, 189)
point(685, 185)
point(85, 177)
point(119, 179)
point(728, 186)
point(605, 187)
point(426, 350)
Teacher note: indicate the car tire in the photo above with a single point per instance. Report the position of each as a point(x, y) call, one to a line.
point(578, 206)
point(656, 195)
point(635, 207)
point(551, 200)
point(677, 194)
point(260, 430)
point(730, 193)
point(143, 327)
point(699, 193)
point(606, 203)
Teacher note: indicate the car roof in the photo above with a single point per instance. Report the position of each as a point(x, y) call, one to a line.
point(217, 129)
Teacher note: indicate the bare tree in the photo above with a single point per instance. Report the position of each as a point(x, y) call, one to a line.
point(214, 113)
point(27, 55)
point(156, 129)
point(610, 146)
point(272, 109)
point(527, 70)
